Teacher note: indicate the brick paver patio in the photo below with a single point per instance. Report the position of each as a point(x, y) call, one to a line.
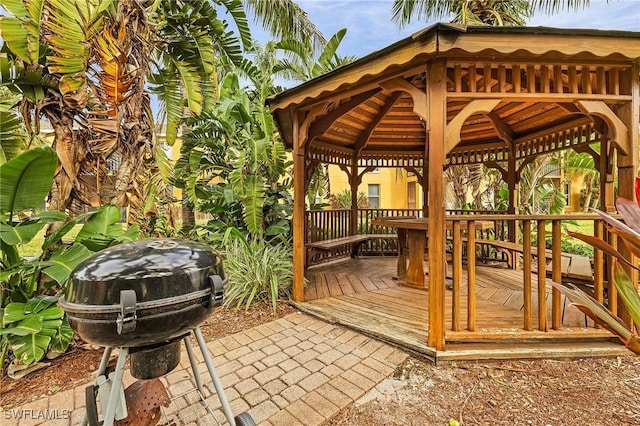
point(296, 370)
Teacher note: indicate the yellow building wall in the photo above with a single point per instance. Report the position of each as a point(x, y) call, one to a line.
point(393, 186)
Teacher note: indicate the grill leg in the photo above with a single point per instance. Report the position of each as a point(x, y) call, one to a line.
point(101, 370)
point(194, 365)
point(110, 414)
point(226, 408)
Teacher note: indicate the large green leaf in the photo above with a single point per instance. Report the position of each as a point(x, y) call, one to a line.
point(323, 64)
point(102, 223)
point(60, 342)
point(252, 203)
point(14, 311)
point(29, 349)
point(26, 180)
point(63, 261)
point(19, 234)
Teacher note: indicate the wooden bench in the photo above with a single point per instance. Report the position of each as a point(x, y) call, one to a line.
point(573, 266)
point(353, 240)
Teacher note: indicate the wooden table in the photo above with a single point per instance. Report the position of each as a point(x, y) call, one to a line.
point(412, 238)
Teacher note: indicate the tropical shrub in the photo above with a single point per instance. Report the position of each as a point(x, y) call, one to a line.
point(628, 230)
point(233, 165)
point(257, 270)
point(32, 326)
point(342, 200)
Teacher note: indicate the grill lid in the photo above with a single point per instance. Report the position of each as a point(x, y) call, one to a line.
point(155, 268)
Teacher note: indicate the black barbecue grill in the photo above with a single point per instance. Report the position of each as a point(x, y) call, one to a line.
point(145, 297)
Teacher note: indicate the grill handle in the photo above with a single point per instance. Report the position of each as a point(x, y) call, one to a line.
point(127, 317)
point(217, 290)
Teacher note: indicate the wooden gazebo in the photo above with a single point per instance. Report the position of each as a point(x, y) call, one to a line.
point(451, 95)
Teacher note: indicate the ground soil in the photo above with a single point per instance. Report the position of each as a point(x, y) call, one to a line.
point(581, 392)
point(539, 392)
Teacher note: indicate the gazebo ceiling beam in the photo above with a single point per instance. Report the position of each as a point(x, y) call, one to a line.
point(504, 131)
point(321, 125)
point(555, 129)
point(499, 168)
point(366, 134)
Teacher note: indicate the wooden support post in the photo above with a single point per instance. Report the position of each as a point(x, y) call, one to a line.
point(471, 276)
point(598, 263)
point(436, 112)
point(629, 113)
point(556, 272)
point(457, 274)
point(512, 187)
point(354, 182)
point(526, 272)
point(299, 207)
point(542, 279)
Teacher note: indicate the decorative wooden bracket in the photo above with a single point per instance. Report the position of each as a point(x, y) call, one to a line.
point(366, 170)
point(498, 167)
point(311, 116)
point(504, 132)
point(588, 150)
point(419, 97)
point(454, 127)
point(618, 132)
point(415, 172)
point(346, 170)
point(526, 161)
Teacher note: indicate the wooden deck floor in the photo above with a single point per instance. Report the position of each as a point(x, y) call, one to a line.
point(363, 294)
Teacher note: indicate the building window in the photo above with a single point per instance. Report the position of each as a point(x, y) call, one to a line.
point(411, 195)
point(373, 196)
point(566, 189)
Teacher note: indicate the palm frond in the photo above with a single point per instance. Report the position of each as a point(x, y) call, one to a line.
point(554, 6)
point(165, 85)
point(402, 11)
point(285, 19)
point(236, 10)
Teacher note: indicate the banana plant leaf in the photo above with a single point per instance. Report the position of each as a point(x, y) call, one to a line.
point(63, 261)
point(101, 228)
point(26, 179)
point(21, 233)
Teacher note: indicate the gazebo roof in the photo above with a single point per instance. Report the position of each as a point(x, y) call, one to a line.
point(534, 82)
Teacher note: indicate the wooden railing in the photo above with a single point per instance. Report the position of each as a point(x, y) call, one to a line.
point(535, 309)
point(327, 224)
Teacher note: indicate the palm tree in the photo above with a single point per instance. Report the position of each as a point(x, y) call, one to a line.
point(300, 64)
point(85, 66)
point(474, 12)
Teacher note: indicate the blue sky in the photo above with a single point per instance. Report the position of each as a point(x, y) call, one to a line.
point(369, 26)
